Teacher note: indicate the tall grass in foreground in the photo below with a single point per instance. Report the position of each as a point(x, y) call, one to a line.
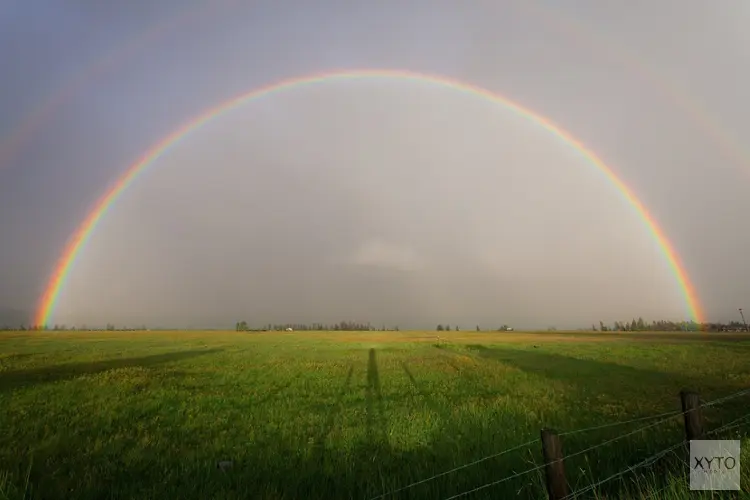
point(342, 415)
point(675, 484)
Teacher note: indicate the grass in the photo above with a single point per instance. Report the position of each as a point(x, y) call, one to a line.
point(143, 415)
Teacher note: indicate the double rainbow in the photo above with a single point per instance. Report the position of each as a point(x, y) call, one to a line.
point(65, 264)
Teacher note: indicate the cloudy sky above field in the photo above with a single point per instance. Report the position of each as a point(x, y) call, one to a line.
point(382, 200)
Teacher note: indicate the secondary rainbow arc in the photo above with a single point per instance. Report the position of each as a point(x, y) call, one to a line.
point(23, 133)
point(65, 263)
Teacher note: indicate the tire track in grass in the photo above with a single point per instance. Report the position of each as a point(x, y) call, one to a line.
point(442, 411)
point(377, 436)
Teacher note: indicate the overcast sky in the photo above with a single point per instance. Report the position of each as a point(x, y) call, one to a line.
point(382, 200)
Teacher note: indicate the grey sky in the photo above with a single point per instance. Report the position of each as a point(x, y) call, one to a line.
point(386, 201)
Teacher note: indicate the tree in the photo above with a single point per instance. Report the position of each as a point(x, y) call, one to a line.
point(478, 329)
point(440, 328)
point(447, 328)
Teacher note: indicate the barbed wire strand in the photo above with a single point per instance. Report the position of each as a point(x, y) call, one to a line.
point(586, 450)
point(731, 425)
point(651, 417)
point(509, 450)
point(644, 463)
point(670, 483)
point(528, 443)
point(667, 415)
point(515, 448)
point(519, 474)
point(734, 423)
point(624, 422)
point(726, 398)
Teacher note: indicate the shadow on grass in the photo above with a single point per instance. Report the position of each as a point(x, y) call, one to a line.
point(617, 384)
point(10, 380)
point(601, 377)
point(283, 466)
point(738, 337)
point(14, 356)
point(279, 468)
point(593, 374)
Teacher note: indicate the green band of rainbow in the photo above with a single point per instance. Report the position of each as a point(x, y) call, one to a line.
point(68, 258)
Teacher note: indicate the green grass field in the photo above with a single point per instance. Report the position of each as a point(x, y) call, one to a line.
point(96, 415)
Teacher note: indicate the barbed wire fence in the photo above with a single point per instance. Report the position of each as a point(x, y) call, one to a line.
point(557, 486)
point(686, 475)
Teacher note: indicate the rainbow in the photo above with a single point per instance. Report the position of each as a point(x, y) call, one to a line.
point(727, 144)
point(48, 300)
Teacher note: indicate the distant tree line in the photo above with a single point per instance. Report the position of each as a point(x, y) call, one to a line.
point(635, 325)
point(344, 326)
point(83, 328)
point(503, 328)
point(640, 325)
point(447, 328)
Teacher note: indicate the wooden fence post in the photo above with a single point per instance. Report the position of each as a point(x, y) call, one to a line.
point(691, 407)
point(557, 485)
